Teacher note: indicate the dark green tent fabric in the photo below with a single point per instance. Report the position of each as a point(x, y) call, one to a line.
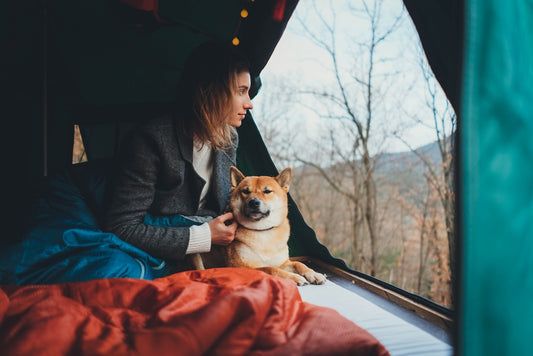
point(440, 29)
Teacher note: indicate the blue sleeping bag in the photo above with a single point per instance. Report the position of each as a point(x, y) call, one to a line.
point(63, 243)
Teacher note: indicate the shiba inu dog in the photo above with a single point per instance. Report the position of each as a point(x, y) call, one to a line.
point(259, 205)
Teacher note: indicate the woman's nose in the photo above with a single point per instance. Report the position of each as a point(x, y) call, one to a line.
point(249, 105)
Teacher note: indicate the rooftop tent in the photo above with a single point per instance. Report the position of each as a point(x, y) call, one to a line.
point(107, 64)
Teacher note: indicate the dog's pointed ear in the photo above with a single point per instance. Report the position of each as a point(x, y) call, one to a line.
point(235, 176)
point(284, 178)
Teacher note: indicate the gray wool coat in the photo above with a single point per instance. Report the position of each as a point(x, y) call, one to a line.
point(155, 175)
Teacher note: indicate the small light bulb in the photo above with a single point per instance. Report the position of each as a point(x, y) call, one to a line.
point(244, 13)
point(235, 41)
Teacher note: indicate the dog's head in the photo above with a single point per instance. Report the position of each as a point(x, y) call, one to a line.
point(259, 202)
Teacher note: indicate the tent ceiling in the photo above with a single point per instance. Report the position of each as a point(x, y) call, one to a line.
point(117, 52)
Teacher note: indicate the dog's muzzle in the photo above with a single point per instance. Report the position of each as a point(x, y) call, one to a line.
point(252, 210)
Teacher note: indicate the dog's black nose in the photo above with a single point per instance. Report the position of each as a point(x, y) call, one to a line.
point(254, 203)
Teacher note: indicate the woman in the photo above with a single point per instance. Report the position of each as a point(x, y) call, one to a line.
point(172, 183)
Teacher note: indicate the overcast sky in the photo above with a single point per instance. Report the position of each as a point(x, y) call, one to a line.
point(298, 59)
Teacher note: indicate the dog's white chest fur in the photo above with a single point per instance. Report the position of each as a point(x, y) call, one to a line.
point(255, 256)
point(260, 248)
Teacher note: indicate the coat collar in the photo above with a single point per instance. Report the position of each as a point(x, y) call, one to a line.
point(222, 161)
point(221, 181)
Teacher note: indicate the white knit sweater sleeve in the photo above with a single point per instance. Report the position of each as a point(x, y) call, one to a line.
point(199, 239)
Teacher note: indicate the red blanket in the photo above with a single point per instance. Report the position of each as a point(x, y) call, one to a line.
point(225, 311)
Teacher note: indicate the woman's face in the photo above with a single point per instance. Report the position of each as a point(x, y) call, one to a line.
point(240, 101)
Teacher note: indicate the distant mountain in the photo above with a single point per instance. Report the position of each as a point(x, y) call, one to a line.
point(394, 164)
point(407, 213)
point(399, 161)
point(405, 170)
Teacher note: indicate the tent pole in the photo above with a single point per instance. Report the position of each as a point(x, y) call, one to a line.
point(45, 88)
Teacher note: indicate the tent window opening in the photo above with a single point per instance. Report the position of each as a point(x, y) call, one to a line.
point(350, 103)
point(79, 155)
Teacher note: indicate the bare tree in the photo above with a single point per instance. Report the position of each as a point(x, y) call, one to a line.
point(352, 101)
point(440, 173)
point(340, 183)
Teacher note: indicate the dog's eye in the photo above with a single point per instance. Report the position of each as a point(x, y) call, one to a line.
point(267, 191)
point(246, 191)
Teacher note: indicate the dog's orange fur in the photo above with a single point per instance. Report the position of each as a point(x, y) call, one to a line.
point(261, 238)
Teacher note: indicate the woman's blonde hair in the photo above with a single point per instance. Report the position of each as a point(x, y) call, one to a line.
point(205, 91)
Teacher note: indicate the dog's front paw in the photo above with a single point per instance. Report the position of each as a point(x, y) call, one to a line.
point(315, 277)
point(301, 281)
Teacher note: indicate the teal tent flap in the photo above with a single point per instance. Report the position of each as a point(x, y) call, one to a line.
point(496, 203)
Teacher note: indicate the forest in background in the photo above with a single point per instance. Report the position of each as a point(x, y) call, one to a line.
point(412, 244)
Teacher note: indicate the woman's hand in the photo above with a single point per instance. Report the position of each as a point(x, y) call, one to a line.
point(222, 234)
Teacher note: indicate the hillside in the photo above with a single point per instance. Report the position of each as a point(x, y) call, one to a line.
point(411, 235)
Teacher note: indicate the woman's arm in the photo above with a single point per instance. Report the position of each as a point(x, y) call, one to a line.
point(132, 194)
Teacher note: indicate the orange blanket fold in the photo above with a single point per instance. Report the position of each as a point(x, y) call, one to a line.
point(226, 311)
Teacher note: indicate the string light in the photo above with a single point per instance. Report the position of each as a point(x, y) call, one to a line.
point(245, 12)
